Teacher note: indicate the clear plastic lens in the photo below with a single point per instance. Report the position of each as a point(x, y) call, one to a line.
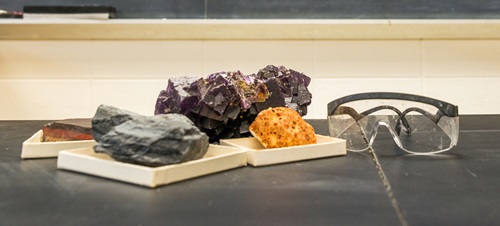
point(426, 136)
point(345, 127)
point(413, 130)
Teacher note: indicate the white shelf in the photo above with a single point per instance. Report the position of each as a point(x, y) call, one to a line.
point(202, 29)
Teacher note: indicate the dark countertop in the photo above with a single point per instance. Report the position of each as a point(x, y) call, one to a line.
point(460, 187)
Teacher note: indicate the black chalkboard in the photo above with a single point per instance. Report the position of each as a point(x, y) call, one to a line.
point(286, 9)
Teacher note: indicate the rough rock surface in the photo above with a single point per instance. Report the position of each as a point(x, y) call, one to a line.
point(147, 140)
point(282, 127)
point(224, 104)
point(67, 130)
point(107, 117)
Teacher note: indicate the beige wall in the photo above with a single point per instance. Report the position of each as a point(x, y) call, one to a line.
point(53, 79)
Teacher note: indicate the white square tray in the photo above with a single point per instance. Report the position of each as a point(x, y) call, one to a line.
point(257, 155)
point(34, 148)
point(85, 160)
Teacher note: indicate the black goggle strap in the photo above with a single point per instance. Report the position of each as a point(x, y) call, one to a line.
point(433, 117)
point(401, 115)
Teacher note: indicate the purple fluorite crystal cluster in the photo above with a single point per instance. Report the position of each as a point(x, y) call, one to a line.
point(224, 104)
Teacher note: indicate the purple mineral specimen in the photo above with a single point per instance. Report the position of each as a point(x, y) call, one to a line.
point(224, 104)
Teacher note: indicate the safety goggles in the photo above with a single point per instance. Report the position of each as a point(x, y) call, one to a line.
point(417, 124)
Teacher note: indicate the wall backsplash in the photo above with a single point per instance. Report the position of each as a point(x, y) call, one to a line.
point(67, 79)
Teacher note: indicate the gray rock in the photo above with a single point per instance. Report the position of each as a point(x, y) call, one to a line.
point(107, 117)
point(148, 140)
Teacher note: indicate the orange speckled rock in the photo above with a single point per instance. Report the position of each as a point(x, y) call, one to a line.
point(282, 127)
